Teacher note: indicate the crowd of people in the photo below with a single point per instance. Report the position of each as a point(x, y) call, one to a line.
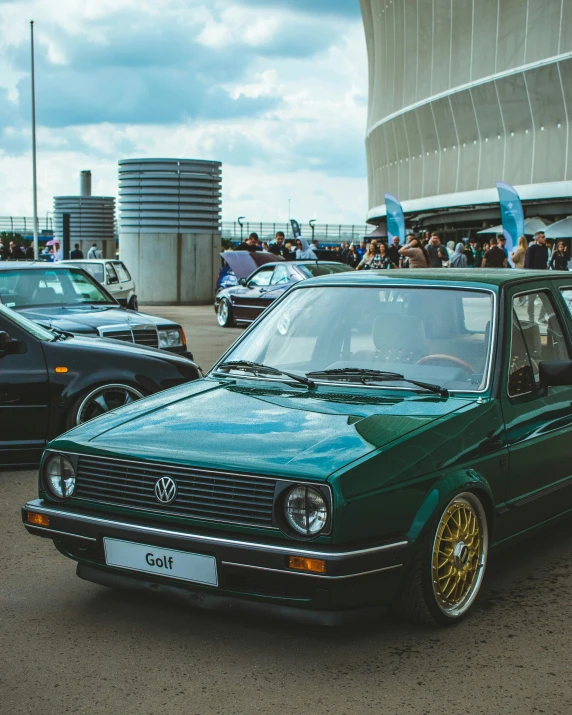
point(52, 252)
point(418, 252)
point(14, 251)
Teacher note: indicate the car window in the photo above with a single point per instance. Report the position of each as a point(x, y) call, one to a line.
point(262, 278)
point(280, 276)
point(111, 274)
point(95, 270)
point(536, 335)
point(122, 272)
point(312, 270)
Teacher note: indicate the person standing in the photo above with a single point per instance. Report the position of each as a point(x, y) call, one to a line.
point(478, 253)
point(393, 251)
point(501, 239)
point(353, 258)
point(362, 249)
point(368, 261)
point(304, 250)
point(438, 254)
point(520, 252)
point(76, 254)
point(536, 256)
point(94, 252)
point(251, 244)
point(559, 260)
point(416, 254)
point(458, 259)
point(384, 257)
point(494, 257)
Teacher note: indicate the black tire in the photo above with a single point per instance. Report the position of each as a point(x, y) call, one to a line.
point(423, 597)
point(133, 303)
point(115, 395)
point(224, 314)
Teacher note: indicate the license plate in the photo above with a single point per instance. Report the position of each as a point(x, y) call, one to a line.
point(161, 562)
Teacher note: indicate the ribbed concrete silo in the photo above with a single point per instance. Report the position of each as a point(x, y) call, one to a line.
point(92, 219)
point(169, 227)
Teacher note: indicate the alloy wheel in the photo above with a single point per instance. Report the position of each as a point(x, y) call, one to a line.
point(104, 399)
point(459, 555)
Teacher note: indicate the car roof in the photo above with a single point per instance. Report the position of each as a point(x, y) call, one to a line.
point(483, 277)
point(90, 260)
point(31, 265)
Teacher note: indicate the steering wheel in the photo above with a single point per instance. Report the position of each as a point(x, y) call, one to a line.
point(458, 362)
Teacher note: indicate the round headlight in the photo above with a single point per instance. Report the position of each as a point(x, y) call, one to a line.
point(59, 476)
point(306, 510)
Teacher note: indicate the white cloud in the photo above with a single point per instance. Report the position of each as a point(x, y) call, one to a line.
point(303, 140)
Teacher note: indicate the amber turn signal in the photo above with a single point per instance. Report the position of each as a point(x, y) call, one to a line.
point(311, 565)
point(37, 519)
point(62, 369)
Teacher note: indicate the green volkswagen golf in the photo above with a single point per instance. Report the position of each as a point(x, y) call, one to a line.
point(363, 445)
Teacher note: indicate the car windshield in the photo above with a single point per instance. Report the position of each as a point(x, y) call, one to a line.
point(30, 327)
point(435, 335)
point(49, 286)
point(313, 270)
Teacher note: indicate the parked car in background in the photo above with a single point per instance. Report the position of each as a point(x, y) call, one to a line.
point(52, 381)
point(256, 290)
point(68, 298)
point(113, 275)
point(323, 473)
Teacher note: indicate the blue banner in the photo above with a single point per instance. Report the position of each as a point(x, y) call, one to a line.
point(512, 215)
point(296, 230)
point(395, 219)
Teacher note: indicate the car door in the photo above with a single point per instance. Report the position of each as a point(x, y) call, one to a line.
point(24, 396)
point(125, 280)
point(538, 426)
point(248, 301)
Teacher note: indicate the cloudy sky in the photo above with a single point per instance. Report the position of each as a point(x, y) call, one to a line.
point(275, 89)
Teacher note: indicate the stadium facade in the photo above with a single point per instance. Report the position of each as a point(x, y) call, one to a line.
point(464, 93)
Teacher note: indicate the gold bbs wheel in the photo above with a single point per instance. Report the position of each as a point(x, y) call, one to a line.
point(459, 555)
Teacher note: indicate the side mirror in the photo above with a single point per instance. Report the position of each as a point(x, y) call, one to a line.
point(242, 281)
point(555, 373)
point(7, 345)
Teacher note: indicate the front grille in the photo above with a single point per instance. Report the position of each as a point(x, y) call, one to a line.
point(140, 334)
point(146, 336)
point(213, 496)
point(125, 335)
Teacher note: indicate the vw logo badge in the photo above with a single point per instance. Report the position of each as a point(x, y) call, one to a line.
point(165, 490)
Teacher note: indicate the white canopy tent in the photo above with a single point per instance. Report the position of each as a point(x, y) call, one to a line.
point(560, 229)
point(531, 226)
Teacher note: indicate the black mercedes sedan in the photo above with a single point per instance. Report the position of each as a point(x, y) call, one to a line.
point(68, 298)
point(51, 381)
point(244, 302)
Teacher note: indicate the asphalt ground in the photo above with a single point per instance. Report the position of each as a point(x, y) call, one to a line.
point(68, 646)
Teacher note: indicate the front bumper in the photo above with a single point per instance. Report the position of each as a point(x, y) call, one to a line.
point(251, 574)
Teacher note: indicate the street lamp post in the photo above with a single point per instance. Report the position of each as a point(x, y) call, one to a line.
point(240, 220)
point(34, 173)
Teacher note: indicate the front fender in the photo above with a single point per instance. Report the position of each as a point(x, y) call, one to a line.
point(441, 493)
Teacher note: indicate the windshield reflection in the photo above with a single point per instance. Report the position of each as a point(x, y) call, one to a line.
point(435, 335)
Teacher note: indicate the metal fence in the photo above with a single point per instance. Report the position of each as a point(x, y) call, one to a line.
point(25, 224)
point(323, 233)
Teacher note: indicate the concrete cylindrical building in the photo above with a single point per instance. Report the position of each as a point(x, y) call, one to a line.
point(169, 227)
point(463, 94)
point(92, 219)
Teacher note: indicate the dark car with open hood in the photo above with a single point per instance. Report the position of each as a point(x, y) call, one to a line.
point(69, 299)
point(325, 471)
point(262, 278)
point(51, 381)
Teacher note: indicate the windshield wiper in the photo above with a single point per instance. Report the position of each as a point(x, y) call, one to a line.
point(259, 369)
point(60, 334)
point(363, 375)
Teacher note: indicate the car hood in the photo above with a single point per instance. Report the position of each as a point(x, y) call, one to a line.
point(289, 432)
point(88, 318)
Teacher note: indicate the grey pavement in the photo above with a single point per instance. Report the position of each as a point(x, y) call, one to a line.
point(68, 646)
